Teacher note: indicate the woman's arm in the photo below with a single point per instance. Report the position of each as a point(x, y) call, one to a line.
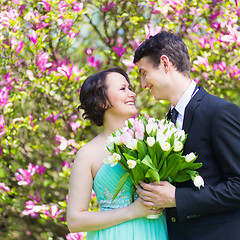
point(79, 219)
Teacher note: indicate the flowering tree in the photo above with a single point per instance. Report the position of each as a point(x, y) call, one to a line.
point(48, 50)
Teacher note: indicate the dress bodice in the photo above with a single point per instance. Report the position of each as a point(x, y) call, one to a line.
point(104, 186)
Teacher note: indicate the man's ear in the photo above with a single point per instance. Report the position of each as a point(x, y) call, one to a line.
point(165, 62)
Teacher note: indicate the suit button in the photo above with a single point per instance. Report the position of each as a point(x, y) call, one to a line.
point(173, 219)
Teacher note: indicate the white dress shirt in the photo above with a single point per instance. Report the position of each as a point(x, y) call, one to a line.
point(183, 102)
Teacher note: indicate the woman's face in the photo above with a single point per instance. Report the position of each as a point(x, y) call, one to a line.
point(120, 95)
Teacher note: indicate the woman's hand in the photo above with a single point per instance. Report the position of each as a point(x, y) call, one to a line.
point(138, 209)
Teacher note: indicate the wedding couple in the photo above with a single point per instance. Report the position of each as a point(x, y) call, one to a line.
point(213, 128)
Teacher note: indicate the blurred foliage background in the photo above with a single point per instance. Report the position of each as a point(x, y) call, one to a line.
point(48, 48)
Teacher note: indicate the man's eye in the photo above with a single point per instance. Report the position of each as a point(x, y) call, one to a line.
point(122, 88)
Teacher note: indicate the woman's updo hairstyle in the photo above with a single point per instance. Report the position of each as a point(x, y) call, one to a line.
point(93, 95)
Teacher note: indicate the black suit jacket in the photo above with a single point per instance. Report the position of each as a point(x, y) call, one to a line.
point(213, 127)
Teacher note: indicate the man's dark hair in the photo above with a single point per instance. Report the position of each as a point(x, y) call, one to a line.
point(165, 43)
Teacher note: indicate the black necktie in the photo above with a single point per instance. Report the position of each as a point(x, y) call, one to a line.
point(174, 114)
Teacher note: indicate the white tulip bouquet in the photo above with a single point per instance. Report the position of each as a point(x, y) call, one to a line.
point(151, 150)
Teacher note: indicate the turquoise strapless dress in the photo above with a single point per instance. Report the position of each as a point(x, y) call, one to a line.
point(104, 186)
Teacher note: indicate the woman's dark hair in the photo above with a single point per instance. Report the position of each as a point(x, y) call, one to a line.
point(93, 95)
point(165, 43)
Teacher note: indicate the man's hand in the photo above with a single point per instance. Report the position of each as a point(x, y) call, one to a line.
point(157, 195)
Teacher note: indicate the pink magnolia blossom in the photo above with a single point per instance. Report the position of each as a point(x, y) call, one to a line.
point(91, 60)
point(235, 72)
point(65, 24)
point(24, 176)
point(16, 1)
point(53, 212)
point(150, 30)
point(77, 6)
point(62, 7)
point(53, 118)
point(30, 74)
point(119, 50)
point(107, 7)
point(74, 125)
point(33, 209)
point(36, 199)
point(202, 42)
point(201, 60)
point(66, 164)
point(42, 61)
point(75, 236)
point(66, 70)
point(236, 2)
point(4, 187)
point(19, 47)
point(64, 143)
point(4, 96)
point(46, 5)
point(2, 123)
point(72, 34)
point(1, 151)
point(33, 36)
point(88, 51)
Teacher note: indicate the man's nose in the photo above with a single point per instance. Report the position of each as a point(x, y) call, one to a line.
point(143, 83)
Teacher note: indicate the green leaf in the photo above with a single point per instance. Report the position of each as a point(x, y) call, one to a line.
point(153, 175)
point(120, 184)
point(142, 149)
point(148, 161)
point(129, 157)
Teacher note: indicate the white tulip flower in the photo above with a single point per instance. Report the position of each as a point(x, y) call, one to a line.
point(131, 163)
point(198, 181)
point(165, 146)
point(178, 146)
point(150, 141)
point(112, 160)
point(190, 157)
point(132, 144)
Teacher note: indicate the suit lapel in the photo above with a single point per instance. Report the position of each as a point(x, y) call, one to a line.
point(191, 107)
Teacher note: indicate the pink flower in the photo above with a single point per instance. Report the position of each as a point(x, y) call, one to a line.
point(77, 7)
point(202, 42)
point(33, 36)
point(46, 5)
point(91, 60)
point(201, 60)
point(93, 195)
point(107, 7)
point(66, 164)
point(150, 30)
point(41, 170)
point(119, 50)
point(125, 138)
point(23, 177)
point(30, 74)
point(53, 118)
point(4, 96)
point(42, 61)
point(31, 123)
point(222, 66)
point(62, 7)
point(75, 236)
point(4, 187)
point(66, 70)
point(138, 127)
point(19, 47)
point(31, 209)
point(16, 1)
point(88, 51)
point(2, 123)
point(54, 212)
point(64, 143)
point(65, 24)
point(74, 125)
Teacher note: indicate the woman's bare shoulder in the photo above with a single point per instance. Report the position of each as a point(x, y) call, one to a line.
point(89, 151)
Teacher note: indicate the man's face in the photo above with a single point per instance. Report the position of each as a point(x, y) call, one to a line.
point(154, 78)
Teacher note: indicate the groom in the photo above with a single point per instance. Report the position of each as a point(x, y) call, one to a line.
point(213, 128)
